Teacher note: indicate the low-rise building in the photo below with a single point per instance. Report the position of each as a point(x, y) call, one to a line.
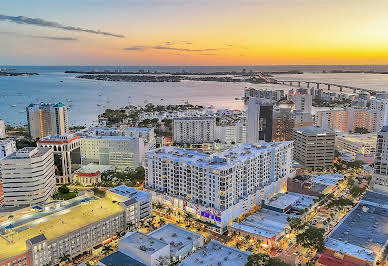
point(90, 175)
point(142, 198)
point(215, 253)
point(354, 144)
point(362, 235)
point(315, 185)
point(169, 243)
point(182, 242)
point(7, 146)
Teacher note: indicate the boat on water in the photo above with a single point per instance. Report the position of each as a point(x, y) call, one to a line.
point(98, 105)
point(12, 105)
point(69, 100)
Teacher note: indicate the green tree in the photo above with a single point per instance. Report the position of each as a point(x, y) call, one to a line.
point(63, 189)
point(65, 258)
point(361, 130)
point(107, 249)
point(312, 237)
point(258, 259)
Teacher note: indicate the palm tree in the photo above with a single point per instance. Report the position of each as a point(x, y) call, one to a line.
point(238, 245)
point(159, 206)
point(247, 237)
point(130, 226)
point(169, 211)
point(142, 223)
point(107, 249)
point(162, 222)
point(119, 234)
point(65, 258)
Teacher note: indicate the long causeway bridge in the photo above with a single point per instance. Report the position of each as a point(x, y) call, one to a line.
point(323, 85)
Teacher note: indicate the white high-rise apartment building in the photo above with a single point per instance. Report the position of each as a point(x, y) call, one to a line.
point(7, 146)
point(220, 187)
point(194, 130)
point(380, 178)
point(28, 177)
point(120, 152)
point(147, 134)
point(303, 102)
point(381, 108)
point(2, 129)
point(236, 133)
point(46, 119)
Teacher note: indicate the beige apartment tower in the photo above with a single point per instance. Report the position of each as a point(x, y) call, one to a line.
point(314, 147)
point(46, 119)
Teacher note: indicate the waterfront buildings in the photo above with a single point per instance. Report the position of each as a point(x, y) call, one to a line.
point(46, 119)
point(215, 253)
point(358, 145)
point(220, 187)
point(273, 95)
point(28, 177)
point(314, 147)
point(67, 155)
point(120, 152)
point(72, 227)
point(380, 177)
point(260, 113)
point(194, 130)
point(2, 129)
point(361, 236)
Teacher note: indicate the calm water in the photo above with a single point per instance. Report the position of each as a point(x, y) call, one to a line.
point(83, 95)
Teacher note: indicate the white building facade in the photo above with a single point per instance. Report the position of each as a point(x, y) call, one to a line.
point(220, 187)
point(2, 129)
point(194, 130)
point(120, 152)
point(28, 177)
point(379, 180)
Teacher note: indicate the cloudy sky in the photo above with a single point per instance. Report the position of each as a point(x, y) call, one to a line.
point(193, 32)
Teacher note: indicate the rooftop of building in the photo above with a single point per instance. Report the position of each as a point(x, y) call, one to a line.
point(118, 128)
point(215, 253)
point(56, 224)
point(196, 118)
point(66, 137)
point(28, 152)
point(118, 259)
point(130, 192)
point(284, 200)
point(6, 141)
point(266, 223)
point(94, 168)
point(327, 179)
point(222, 160)
point(314, 130)
point(117, 138)
point(175, 235)
point(364, 231)
point(369, 139)
point(143, 242)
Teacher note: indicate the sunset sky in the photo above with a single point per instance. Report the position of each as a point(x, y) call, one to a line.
point(193, 32)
